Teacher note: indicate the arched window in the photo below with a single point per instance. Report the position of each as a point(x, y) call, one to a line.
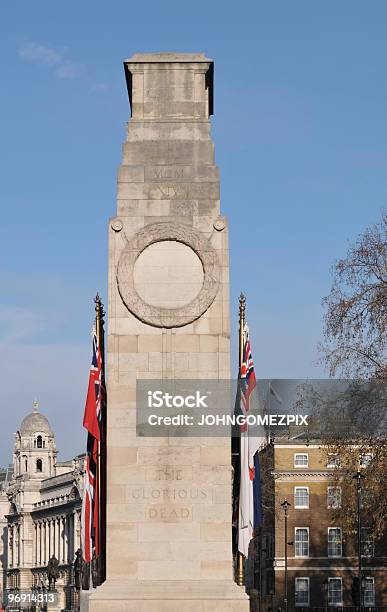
point(39, 465)
point(39, 442)
point(25, 461)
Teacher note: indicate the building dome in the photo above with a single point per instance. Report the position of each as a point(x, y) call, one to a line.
point(35, 422)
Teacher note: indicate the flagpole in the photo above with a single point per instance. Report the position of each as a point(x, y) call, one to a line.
point(99, 322)
point(99, 328)
point(242, 316)
point(240, 574)
point(268, 411)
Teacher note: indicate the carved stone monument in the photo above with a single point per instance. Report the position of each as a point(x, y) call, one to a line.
point(169, 499)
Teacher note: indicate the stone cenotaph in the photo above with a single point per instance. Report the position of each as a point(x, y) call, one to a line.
point(168, 499)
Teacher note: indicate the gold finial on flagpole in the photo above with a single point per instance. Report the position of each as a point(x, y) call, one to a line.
point(99, 320)
point(242, 318)
point(242, 303)
point(99, 305)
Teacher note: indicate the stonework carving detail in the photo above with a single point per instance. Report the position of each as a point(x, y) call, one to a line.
point(159, 316)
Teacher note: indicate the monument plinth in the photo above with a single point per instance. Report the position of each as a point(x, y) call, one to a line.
point(169, 499)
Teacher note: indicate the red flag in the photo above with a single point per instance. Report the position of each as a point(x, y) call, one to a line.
point(92, 416)
point(92, 422)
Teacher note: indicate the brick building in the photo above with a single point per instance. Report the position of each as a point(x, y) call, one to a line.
point(322, 560)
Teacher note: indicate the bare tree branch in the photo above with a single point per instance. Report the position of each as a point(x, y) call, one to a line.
point(355, 320)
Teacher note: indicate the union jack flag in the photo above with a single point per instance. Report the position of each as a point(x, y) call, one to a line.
point(92, 416)
point(249, 445)
point(92, 422)
point(247, 380)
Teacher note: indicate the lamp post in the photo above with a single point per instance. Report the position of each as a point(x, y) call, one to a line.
point(358, 477)
point(285, 506)
point(271, 599)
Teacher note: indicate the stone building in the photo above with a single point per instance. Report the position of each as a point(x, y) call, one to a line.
point(5, 476)
point(40, 511)
point(322, 559)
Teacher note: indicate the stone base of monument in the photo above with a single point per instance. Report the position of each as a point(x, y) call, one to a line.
point(169, 596)
point(84, 598)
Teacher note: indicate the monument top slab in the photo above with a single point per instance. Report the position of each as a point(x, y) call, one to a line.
point(150, 58)
point(175, 86)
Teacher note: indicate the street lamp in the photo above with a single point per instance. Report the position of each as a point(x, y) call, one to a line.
point(271, 598)
point(285, 506)
point(358, 477)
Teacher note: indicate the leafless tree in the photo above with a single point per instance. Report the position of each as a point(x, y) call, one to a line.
point(370, 456)
point(355, 321)
point(349, 419)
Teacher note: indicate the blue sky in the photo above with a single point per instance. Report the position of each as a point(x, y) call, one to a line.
point(300, 135)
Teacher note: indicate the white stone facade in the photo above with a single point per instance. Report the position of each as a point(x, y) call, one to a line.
point(40, 507)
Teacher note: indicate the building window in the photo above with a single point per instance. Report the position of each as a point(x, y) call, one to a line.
point(365, 460)
point(301, 591)
point(335, 592)
point(335, 545)
point(367, 543)
point(369, 591)
point(301, 460)
point(25, 462)
point(39, 442)
point(301, 497)
point(301, 542)
point(334, 497)
point(333, 461)
point(39, 465)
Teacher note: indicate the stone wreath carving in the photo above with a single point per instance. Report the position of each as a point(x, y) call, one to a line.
point(160, 316)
